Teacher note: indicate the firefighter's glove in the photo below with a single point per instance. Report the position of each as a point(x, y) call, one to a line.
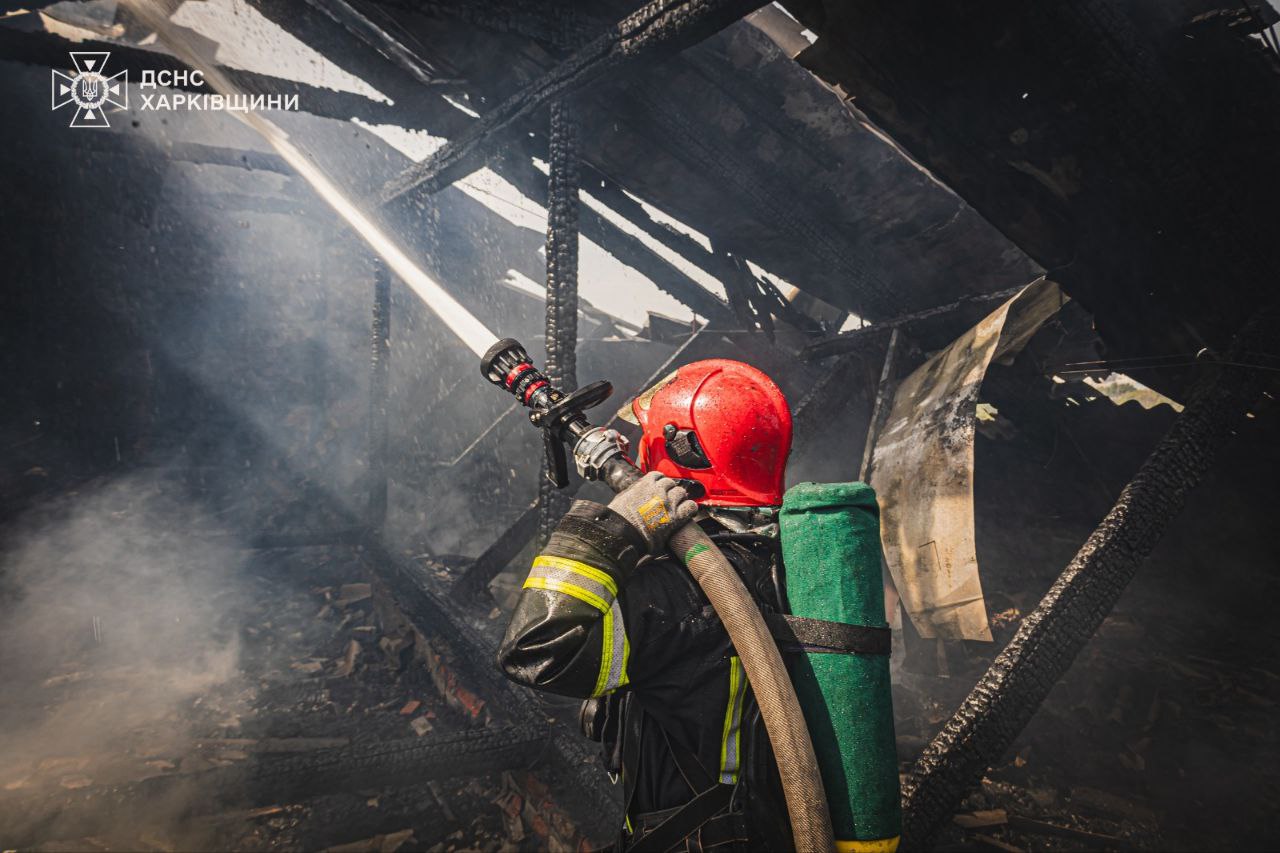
point(656, 506)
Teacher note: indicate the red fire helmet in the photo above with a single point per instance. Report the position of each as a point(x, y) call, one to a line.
point(720, 422)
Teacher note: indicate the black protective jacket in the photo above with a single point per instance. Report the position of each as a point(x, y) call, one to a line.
point(672, 704)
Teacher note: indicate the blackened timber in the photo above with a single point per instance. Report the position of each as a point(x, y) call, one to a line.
point(614, 196)
point(854, 338)
point(398, 762)
point(499, 555)
point(556, 25)
point(1049, 638)
point(292, 778)
point(518, 169)
point(657, 29)
point(562, 285)
point(547, 26)
point(682, 137)
point(363, 28)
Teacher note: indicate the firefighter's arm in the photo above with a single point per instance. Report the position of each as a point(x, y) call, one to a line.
point(567, 633)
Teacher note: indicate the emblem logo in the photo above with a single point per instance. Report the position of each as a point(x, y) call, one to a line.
point(90, 89)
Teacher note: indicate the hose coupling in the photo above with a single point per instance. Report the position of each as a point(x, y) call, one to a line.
point(597, 447)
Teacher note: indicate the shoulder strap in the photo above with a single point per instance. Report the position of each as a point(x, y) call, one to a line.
point(817, 636)
point(710, 799)
point(632, 729)
point(695, 775)
point(685, 821)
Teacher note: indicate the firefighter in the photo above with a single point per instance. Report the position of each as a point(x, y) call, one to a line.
point(608, 615)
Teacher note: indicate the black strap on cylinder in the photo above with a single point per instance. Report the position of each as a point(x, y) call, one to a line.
point(817, 636)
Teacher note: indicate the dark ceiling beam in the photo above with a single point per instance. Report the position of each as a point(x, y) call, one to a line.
point(658, 29)
point(555, 29)
point(553, 24)
point(415, 105)
point(381, 40)
point(769, 201)
point(612, 195)
point(854, 339)
point(515, 165)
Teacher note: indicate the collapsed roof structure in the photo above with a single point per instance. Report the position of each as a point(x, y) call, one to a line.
point(838, 192)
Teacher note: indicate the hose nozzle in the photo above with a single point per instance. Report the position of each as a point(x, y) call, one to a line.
point(507, 364)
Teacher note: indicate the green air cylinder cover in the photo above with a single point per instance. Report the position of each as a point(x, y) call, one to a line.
point(831, 550)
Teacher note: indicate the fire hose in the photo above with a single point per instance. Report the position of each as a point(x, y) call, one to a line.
point(601, 454)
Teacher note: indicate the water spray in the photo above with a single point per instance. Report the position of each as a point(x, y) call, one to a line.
point(460, 321)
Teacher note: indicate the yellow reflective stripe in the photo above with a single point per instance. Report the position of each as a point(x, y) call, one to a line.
point(731, 740)
point(589, 572)
point(615, 649)
point(568, 589)
point(876, 845)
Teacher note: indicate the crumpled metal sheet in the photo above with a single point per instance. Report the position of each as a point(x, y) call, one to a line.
point(922, 469)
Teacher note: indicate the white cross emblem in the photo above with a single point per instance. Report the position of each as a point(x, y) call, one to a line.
point(90, 89)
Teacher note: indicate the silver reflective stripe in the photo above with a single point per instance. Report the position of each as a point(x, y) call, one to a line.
point(575, 579)
point(619, 650)
point(598, 589)
point(731, 742)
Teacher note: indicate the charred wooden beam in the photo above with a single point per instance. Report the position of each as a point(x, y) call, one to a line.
point(548, 27)
point(517, 169)
point(681, 135)
point(556, 25)
point(368, 31)
point(498, 556)
point(288, 778)
point(562, 285)
point(659, 28)
point(854, 338)
point(1009, 693)
point(398, 762)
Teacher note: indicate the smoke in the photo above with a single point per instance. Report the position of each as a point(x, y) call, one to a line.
point(469, 330)
point(120, 632)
